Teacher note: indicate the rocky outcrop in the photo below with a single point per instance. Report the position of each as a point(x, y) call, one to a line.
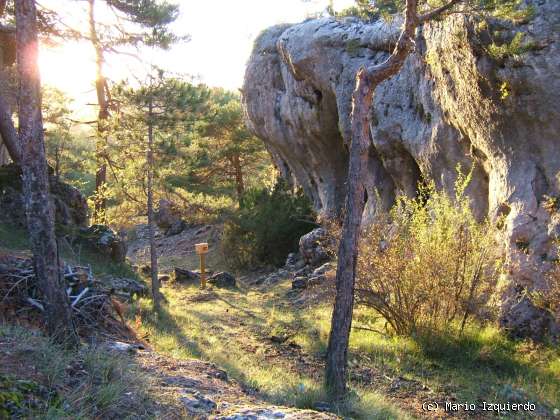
point(453, 103)
point(70, 205)
point(104, 240)
point(168, 218)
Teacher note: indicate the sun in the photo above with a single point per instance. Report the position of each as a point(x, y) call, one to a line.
point(70, 68)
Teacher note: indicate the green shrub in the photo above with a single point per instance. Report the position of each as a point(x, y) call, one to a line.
point(515, 47)
point(433, 268)
point(266, 227)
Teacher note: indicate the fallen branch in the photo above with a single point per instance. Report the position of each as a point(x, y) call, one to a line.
point(38, 305)
point(82, 293)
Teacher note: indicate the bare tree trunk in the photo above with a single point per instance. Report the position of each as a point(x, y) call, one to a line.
point(348, 250)
point(39, 208)
point(99, 215)
point(366, 81)
point(8, 132)
point(239, 183)
point(156, 296)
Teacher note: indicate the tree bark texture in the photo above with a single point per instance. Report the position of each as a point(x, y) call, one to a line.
point(366, 81)
point(100, 202)
point(38, 206)
point(8, 132)
point(156, 296)
point(239, 182)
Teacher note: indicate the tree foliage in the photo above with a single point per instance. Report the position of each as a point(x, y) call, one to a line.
point(267, 226)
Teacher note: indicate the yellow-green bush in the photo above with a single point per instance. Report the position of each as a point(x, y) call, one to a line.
point(430, 266)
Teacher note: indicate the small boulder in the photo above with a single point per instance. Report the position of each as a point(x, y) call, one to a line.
point(525, 320)
point(222, 279)
point(125, 288)
point(291, 260)
point(176, 228)
point(314, 247)
point(299, 283)
point(164, 278)
point(324, 269)
point(303, 272)
point(120, 347)
point(186, 276)
point(168, 218)
point(103, 239)
point(198, 404)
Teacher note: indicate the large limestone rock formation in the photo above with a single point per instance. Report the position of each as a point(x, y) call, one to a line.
point(452, 103)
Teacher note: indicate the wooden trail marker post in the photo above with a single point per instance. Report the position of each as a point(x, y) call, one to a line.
point(202, 249)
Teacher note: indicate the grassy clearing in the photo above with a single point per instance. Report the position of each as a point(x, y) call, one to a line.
point(89, 383)
point(233, 328)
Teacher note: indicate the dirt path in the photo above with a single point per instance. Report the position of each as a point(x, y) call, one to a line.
point(196, 389)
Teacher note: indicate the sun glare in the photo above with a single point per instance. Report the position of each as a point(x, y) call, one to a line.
point(70, 68)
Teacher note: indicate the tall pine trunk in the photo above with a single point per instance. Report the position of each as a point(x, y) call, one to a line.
point(156, 296)
point(38, 205)
point(100, 202)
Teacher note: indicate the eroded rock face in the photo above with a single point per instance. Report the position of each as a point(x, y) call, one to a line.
point(451, 104)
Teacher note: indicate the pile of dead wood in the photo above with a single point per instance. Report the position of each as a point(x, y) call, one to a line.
point(95, 308)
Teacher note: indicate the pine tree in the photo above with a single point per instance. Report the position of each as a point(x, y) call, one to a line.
point(38, 205)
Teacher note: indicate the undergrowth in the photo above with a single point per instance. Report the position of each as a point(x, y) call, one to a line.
point(61, 384)
point(233, 328)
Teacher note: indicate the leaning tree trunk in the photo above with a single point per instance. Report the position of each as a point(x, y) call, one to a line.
point(156, 295)
point(348, 250)
point(366, 81)
point(38, 206)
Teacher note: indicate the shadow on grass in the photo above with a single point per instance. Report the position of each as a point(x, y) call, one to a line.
point(480, 364)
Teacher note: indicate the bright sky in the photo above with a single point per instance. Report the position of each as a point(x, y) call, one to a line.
point(222, 34)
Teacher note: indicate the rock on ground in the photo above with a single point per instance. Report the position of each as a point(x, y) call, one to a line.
point(105, 240)
point(202, 390)
point(313, 246)
point(451, 104)
point(222, 279)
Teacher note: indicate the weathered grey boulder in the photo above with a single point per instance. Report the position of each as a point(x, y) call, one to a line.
point(299, 283)
point(222, 279)
point(186, 276)
point(198, 404)
point(451, 104)
point(123, 287)
point(313, 247)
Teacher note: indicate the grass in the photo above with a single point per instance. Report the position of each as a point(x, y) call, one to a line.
point(89, 383)
point(232, 328)
point(232, 331)
point(13, 238)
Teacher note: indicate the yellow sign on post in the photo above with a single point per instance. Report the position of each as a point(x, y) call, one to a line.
point(202, 249)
